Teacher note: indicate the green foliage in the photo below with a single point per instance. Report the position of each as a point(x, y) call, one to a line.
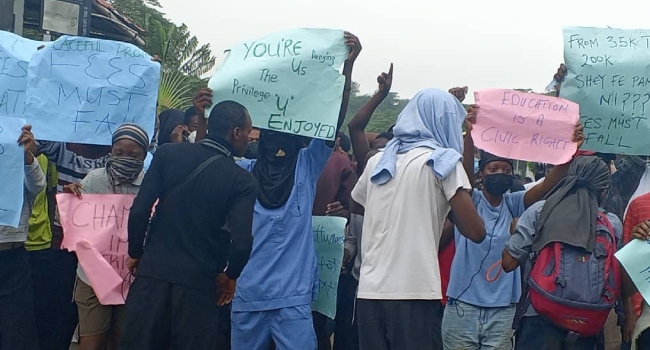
point(179, 51)
point(385, 115)
point(174, 91)
point(185, 61)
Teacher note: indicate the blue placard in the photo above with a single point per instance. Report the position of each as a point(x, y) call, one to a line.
point(329, 237)
point(15, 52)
point(12, 171)
point(80, 90)
point(608, 77)
point(288, 81)
point(635, 258)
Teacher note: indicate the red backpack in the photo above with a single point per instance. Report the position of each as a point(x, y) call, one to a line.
point(576, 289)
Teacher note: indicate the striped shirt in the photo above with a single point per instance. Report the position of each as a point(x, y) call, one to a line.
point(71, 168)
point(34, 183)
point(638, 212)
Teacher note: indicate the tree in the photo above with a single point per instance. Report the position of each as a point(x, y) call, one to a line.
point(179, 51)
point(385, 115)
point(184, 60)
point(174, 92)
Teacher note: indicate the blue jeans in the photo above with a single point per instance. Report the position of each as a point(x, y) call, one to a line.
point(469, 327)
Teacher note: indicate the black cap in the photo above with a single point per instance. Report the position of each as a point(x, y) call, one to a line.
point(487, 158)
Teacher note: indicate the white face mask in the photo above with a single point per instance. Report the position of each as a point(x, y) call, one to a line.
point(192, 137)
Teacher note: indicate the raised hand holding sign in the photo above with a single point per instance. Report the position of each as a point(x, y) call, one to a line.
point(288, 81)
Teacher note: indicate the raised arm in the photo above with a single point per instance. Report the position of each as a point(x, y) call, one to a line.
point(355, 48)
point(353, 43)
point(468, 147)
point(202, 100)
point(556, 175)
point(357, 126)
point(34, 176)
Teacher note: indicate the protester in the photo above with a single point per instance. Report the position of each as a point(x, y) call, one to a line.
point(56, 308)
point(38, 244)
point(357, 125)
point(17, 323)
point(343, 143)
point(639, 334)
point(637, 214)
point(275, 291)
point(346, 335)
point(572, 207)
point(419, 170)
point(192, 123)
point(191, 119)
point(334, 187)
point(172, 302)
point(482, 300)
point(333, 199)
point(447, 246)
point(100, 326)
point(624, 184)
point(172, 127)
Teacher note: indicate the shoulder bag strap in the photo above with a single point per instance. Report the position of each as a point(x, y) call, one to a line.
point(193, 174)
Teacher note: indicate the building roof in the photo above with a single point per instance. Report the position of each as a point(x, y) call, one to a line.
point(106, 22)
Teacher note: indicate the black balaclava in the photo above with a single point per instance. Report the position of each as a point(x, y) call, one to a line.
point(251, 150)
point(276, 166)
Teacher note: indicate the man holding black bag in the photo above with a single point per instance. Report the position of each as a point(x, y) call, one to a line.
point(181, 257)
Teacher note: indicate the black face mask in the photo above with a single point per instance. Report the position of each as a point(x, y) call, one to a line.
point(498, 184)
point(251, 150)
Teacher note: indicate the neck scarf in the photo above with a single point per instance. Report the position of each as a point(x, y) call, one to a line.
point(123, 170)
point(432, 119)
point(276, 167)
point(218, 144)
point(571, 209)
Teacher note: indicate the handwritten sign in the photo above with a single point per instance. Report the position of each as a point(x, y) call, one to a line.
point(12, 161)
point(96, 229)
point(288, 81)
point(80, 90)
point(608, 76)
point(635, 258)
point(525, 126)
point(15, 52)
point(329, 236)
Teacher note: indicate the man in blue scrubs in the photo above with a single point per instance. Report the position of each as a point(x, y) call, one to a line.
point(275, 291)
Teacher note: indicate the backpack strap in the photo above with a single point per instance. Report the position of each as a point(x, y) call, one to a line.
point(604, 220)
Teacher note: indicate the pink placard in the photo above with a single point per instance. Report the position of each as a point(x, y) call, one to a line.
point(95, 227)
point(525, 126)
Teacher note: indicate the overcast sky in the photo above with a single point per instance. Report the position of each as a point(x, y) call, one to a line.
point(433, 43)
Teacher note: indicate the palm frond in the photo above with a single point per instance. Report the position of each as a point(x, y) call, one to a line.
point(174, 91)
